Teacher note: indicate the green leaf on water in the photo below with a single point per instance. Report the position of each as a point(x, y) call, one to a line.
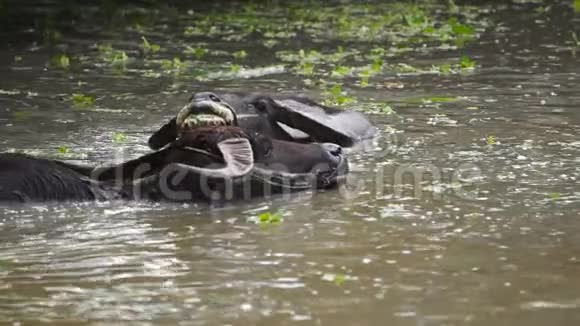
point(306, 68)
point(240, 54)
point(440, 99)
point(467, 63)
point(116, 58)
point(339, 279)
point(63, 150)
point(555, 195)
point(82, 100)
point(269, 218)
point(235, 68)
point(60, 61)
point(340, 72)
point(149, 47)
point(119, 137)
point(197, 52)
point(387, 109)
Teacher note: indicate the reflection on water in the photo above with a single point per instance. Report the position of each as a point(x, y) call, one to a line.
point(487, 231)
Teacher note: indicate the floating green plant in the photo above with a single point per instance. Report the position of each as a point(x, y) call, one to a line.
point(176, 65)
point(116, 58)
point(235, 68)
point(60, 61)
point(63, 150)
point(82, 100)
point(555, 195)
point(240, 54)
point(491, 140)
point(340, 71)
point(337, 279)
point(467, 63)
point(119, 137)
point(269, 218)
point(149, 47)
point(197, 52)
point(335, 95)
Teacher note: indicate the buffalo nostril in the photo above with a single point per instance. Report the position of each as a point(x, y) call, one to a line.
point(336, 151)
point(333, 149)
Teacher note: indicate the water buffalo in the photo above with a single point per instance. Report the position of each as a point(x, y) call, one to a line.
point(288, 118)
point(203, 163)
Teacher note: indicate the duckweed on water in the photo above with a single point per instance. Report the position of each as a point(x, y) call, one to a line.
point(197, 52)
point(240, 54)
point(149, 47)
point(357, 44)
point(63, 150)
point(267, 219)
point(60, 61)
point(82, 100)
point(337, 279)
point(117, 59)
point(335, 95)
point(119, 137)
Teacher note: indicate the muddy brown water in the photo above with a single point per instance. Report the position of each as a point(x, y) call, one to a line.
point(490, 234)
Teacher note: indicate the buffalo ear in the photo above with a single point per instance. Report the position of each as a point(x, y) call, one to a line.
point(165, 135)
point(238, 156)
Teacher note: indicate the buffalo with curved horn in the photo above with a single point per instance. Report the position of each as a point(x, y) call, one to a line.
point(288, 118)
point(205, 163)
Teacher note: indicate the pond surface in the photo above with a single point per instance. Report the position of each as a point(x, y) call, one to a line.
point(484, 100)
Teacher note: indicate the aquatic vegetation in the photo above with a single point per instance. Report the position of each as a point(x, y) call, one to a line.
point(340, 71)
point(491, 140)
point(267, 218)
point(240, 54)
point(386, 109)
point(235, 68)
point(175, 66)
point(335, 95)
point(270, 218)
point(117, 59)
point(197, 52)
point(440, 99)
point(60, 61)
point(82, 100)
point(63, 150)
point(467, 63)
point(119, 137)
point(337, 279)
point(554, 195)
point(149, 47)
point(577, 5)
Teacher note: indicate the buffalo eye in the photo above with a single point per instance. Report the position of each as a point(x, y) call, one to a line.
point(214, 98)
point(261, 105)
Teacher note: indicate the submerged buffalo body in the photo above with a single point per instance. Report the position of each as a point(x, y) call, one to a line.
point(288, 118)
point(204, 163)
